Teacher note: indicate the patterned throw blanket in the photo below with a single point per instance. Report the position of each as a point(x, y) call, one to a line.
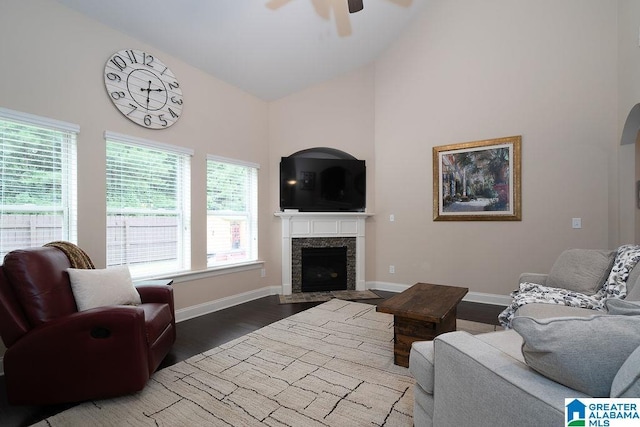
point(77, 257)
point(615, 287)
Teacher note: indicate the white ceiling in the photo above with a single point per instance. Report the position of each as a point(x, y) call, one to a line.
point(267, 52)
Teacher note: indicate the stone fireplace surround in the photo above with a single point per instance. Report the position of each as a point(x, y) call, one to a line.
point(318, 229)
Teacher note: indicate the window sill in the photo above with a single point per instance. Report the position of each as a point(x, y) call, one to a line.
point(187, 276)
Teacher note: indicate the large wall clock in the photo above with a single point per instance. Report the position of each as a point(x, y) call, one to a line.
point(143, 89)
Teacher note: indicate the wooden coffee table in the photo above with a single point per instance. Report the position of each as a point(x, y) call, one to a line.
point(420, 313)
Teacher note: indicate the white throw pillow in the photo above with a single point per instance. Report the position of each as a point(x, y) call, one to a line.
point(98, 288)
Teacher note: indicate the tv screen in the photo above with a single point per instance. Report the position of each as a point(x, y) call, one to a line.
point(322, 185)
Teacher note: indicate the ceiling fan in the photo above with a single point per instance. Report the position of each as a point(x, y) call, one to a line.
point(341, 10)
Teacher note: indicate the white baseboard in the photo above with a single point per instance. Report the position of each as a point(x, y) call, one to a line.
point(484, 298)
point(222, 303)
point(479, 297)
point(387, 286)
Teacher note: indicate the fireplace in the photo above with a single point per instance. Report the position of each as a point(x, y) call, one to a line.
point(322, 230)
point(321, 247)
point(324, 269)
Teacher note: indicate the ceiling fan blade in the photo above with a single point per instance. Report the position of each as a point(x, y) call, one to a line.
point(355, 6)
point(341, 14)
point(403, 3)
point(322, 8)
point(275, 4)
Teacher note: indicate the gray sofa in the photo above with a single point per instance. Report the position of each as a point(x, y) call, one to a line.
point(491, 379)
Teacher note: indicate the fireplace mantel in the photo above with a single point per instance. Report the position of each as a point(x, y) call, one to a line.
point(319, 225)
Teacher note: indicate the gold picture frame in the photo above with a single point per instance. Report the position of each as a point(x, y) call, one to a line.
point(478, 180)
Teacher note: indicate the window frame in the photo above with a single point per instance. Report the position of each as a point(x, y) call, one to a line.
point(251, 213)
point(182, 262)
point(69, 183)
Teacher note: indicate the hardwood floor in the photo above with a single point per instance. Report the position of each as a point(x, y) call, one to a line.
point(205, 332)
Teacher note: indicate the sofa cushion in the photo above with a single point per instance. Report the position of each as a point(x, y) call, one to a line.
point(622, 307)
point(541, 310)
point(626, 383)
point(581, 270)
point(421, 358)
point(423, 406)
point(633, 285)
point(576, 351)
point(508, 341)
point(98, 288)
point(421, 364)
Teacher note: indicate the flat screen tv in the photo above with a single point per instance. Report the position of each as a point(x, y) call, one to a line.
point(322, 185)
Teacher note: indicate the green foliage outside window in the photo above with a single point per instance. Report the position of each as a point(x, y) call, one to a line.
point(150, 182)
point(226, 187)
point(31, 165)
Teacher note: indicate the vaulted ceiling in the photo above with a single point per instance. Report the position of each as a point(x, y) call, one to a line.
point(269, 48)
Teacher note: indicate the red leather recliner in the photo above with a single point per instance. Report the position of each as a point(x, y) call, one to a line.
point(56, 354)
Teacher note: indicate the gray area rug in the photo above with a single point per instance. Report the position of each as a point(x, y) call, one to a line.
point(331, 365)
point(300, 297)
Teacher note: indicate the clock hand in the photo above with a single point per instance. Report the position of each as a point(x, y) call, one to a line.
point(148, 93)
point(149, 90)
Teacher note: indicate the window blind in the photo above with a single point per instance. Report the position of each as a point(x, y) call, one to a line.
point(148, 207)
point(232, 205)
point(38, 201)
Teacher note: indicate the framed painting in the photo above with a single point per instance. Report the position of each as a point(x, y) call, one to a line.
point(477, 181)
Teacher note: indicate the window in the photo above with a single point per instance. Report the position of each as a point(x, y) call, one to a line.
point(148, 206)
point(232, 200)
point(37, 181)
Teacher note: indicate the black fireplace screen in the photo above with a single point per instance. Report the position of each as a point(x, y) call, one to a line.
point(324, 269)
